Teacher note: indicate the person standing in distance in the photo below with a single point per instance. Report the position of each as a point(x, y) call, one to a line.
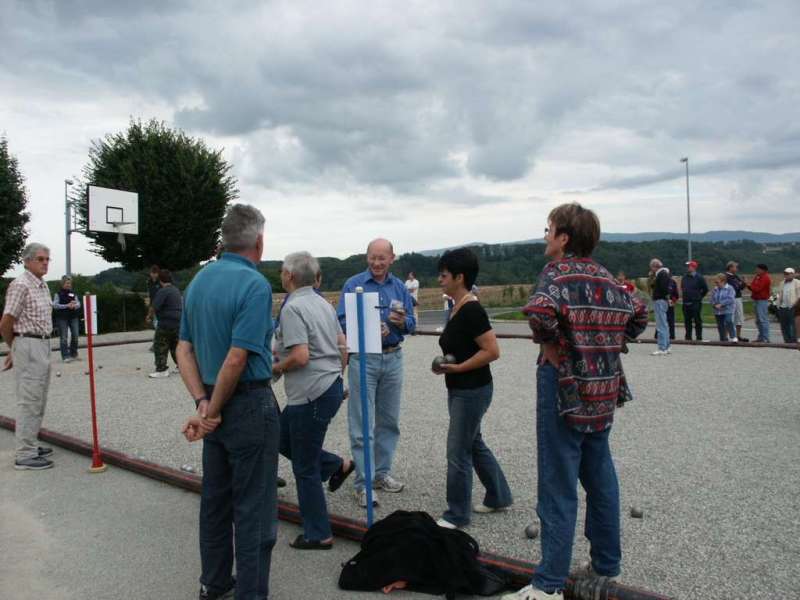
point(694, 288)
point(738, 284)
point(26, 325)
point(384, 371)
point(412, 285)
point(226, 364)
point(660, 289)
point(67, 313)
point(168, 306)
point(760, 290)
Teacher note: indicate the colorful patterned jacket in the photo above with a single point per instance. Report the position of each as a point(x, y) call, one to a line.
point(579, 306)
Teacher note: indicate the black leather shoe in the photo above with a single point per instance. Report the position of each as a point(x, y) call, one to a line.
point(301, 543)
point(45, 451)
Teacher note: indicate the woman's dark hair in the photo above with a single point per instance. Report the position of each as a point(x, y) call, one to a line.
point(461, 261)
point(580, 224)
point(164, 276)
point(154, 269)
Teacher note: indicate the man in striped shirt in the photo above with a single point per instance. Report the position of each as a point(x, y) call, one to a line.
point(580, 317)
point(26, 325)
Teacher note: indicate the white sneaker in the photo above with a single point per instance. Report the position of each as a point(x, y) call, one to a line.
point(158, 374)
point(734, 340)
point(668, 351)
point(439, 329)
point(659, 353)
point(446, 524)
point(387, 483)
point(531, 593)
point(361, 498)
point(586, 571)
point(485, 510)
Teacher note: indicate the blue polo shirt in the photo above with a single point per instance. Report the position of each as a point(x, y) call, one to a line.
point(390, 289)
point(229, 304)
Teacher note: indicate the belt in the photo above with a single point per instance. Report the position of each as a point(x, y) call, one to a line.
point(246, 386)
point(390, 349)
point(35, 336)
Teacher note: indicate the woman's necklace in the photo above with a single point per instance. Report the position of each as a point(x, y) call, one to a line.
point(460, 303)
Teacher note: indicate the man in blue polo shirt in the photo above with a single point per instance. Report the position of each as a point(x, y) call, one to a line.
point(384, 371)
point(226, 364)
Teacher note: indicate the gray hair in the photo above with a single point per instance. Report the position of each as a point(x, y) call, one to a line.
point(303, 267)
point(66, 278)
point(241, 227)
point(655, 263)
point(30, 251)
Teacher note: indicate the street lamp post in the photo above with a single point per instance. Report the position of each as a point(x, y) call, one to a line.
point(685, 160)
point(68, 224)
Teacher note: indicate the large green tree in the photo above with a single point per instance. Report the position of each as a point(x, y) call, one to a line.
point(13, 202)
point(183, 189)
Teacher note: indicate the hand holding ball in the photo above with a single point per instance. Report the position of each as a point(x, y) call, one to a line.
point(447, 359)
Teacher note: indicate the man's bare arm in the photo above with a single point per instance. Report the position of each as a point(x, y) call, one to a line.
point(227, 378)
point(7, 328)
point(190, 372)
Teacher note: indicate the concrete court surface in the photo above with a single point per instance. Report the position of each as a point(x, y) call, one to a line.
point(709, 450)
point(67, 534)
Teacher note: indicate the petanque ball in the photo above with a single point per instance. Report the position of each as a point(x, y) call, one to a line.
point(437, 363)
point(99, 367)
point(531, 531)
point(138, 368)
point(187, 468)
point(449, 359)
point(636, 513)
point(86, 372)
point(58, 373)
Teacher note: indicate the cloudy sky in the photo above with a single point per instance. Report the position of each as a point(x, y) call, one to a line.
point(432, 123)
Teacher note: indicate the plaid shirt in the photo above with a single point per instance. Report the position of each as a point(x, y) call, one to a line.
point(28, 301)
point(579, 306)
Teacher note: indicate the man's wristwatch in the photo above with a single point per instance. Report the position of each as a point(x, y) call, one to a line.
point(197, 401)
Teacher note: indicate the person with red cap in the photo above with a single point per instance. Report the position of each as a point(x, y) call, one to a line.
point(693, 289)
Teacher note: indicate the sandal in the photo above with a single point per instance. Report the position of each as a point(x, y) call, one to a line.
point(337, 479)
point(301, 543)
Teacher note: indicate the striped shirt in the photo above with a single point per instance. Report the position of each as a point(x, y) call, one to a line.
point(28, 301)
point(579, 306)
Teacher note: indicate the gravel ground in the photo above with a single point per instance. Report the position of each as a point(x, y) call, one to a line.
point(709, 451)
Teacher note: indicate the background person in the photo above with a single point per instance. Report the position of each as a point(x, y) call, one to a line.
point(384, 371)
point(412, 285)
point(67, 315)
point(693, 288)
point(313, 353)
point(167, 306)
point(26, 325)
point(738, 284)
point(760, 290)
point(674, 296)
point(660, 278)
point(579, 384)
point(469, 337)
point(226, 364)
point(723, 300)
point(623, 280)
point(153, 285)
point(789, 305)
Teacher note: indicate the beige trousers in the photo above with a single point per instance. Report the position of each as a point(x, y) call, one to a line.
point(32, 374)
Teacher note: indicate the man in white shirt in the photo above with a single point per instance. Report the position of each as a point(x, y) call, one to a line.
point(412, 285)
point(789, 305)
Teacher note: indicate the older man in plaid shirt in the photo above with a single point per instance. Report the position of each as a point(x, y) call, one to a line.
point(25, 327)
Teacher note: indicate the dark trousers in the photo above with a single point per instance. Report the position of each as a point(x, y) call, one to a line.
point(692, 317)
point(240, 470)
point(466, 451)
point(725, 327)
point(166, 341)
point(303, 429)
point(786, 319)
point(68, 329)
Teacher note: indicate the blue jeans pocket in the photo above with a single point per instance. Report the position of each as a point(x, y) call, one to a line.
point(324, 408)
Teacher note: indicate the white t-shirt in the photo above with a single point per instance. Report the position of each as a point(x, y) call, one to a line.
point(412, 285)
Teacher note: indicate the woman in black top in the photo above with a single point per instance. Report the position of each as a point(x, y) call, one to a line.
point(469, 337)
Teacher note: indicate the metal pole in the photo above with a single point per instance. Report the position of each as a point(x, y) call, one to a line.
point(68, 228)
point(97, 460)
point(362, 374)
point(685, 160)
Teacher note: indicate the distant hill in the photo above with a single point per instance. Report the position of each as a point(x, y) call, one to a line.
point(652, 236)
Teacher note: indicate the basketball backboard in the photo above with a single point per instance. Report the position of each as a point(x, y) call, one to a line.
point(113, 211)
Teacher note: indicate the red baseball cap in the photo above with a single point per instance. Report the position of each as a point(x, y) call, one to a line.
point(692, 263)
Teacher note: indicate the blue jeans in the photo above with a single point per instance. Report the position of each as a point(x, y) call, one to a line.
point(725, 327)
point(786, 318)
point(68, 328)
point(762, 319)
point(662, 325)
point(240, 469)
point(564, 456)
point(384, 391)
point(465, 451)
point(303, 429)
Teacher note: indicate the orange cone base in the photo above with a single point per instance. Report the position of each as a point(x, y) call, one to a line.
point(98, 469)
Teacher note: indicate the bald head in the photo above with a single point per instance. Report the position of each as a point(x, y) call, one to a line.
point(380, 256)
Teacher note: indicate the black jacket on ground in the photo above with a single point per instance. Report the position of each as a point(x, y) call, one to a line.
point(694, 288)
point(411, 547)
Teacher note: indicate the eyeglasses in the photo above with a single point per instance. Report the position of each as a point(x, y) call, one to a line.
point(42, 259)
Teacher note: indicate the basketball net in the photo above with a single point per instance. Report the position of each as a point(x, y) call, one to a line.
point(120, 236)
